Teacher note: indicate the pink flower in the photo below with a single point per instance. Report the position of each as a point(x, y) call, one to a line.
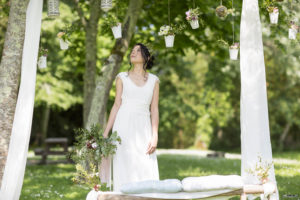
point(187, 13)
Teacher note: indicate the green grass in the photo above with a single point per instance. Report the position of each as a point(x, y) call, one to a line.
point(54, 181)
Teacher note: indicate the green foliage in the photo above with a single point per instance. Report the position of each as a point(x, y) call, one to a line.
point(89, 178)
point(111, 20)
point(91, 145)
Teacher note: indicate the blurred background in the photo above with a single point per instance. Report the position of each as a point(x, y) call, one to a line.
point(200, 86)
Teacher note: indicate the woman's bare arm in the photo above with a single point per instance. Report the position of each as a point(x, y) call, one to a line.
point(115, 108)
point(154, 119)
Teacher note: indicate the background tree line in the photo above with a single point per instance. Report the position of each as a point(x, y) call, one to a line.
point(200, 86)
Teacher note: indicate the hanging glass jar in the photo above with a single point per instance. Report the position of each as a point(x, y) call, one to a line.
point(53, 8)
point(106, 5)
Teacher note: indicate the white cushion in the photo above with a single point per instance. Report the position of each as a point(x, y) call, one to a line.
point(152, 186)
point(213, 182)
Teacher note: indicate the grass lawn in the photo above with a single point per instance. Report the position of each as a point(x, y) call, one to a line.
point(54, 181)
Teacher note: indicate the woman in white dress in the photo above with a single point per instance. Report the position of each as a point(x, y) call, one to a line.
point(135, 117)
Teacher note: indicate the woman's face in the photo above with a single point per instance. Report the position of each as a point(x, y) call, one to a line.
point(136, 55)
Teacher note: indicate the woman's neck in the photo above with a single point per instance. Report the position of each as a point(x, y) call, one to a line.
point(138, 69)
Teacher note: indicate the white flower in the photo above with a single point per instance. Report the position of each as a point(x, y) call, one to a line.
point(94, 145)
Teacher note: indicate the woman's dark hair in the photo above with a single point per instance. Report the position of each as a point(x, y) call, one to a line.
point(148, 58)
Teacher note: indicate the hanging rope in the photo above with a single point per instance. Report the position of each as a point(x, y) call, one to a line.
point(232, 23)
point(221, 2)
point(193, 3)
point(169, 12)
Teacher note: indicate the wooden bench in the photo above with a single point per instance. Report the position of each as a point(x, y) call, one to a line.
point(51, 142)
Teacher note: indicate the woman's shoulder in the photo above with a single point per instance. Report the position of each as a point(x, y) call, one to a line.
point(155, 77)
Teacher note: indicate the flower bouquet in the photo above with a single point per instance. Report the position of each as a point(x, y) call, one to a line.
point(42, 62)
point(91, 147)
point(192, 17)
point(273, 13)
point(293, 30)
point(169, 32)
point(221, 12)
point(115, 25)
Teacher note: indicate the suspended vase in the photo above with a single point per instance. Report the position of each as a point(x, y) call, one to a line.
point(117, 31)
point(274, 17)
point(221, 12)
point(92, 195)
point(194, 24)
point(106, 5)
point(53, 8)
point(169, 40)
point(42, 63)
point(292, 33)
point(63, 44)
point(233, 53)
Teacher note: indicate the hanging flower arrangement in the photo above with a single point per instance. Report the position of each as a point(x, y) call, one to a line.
point(169, 31)
point(115, 25)
point(234, 51)
point(63, 41)
point(192, 17)
point(293, 30)
point(42, 62)
point(53, 8)
point(273, 13)
point(106, 5)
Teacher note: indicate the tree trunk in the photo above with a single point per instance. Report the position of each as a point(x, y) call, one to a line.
point(45, 122)
point(10, 71)
point(283, 135)
point(91, 28)
point(111, 68)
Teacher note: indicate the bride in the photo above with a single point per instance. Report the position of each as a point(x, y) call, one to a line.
point(135, 117)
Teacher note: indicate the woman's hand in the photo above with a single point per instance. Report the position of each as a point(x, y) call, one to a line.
point(152, 145)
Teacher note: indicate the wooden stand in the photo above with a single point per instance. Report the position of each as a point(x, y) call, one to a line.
point(248, 189)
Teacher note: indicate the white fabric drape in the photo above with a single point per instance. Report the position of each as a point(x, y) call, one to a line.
point(17, 154)
point(255, 134)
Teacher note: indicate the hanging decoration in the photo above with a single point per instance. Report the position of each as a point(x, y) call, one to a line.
point(192, 16)
point(53, 8)
point(221, 11)
point(234, 48)
point(106, 5)
point(63, 42)
point(273, 13)
point(293, 30)
point(115, 25)
point(293, 27)
point(42, 62)
point(169, 31)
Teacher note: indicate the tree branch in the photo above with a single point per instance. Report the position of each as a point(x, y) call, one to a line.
point(83, 19)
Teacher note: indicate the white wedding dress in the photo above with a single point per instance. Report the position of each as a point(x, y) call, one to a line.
point(133, 125)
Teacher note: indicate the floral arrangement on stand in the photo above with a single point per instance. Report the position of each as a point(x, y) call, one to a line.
point(192, 16)
point(169, 32)
point(42, 62)
point(261, 170)
point(90, 147)
point(115, 25)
